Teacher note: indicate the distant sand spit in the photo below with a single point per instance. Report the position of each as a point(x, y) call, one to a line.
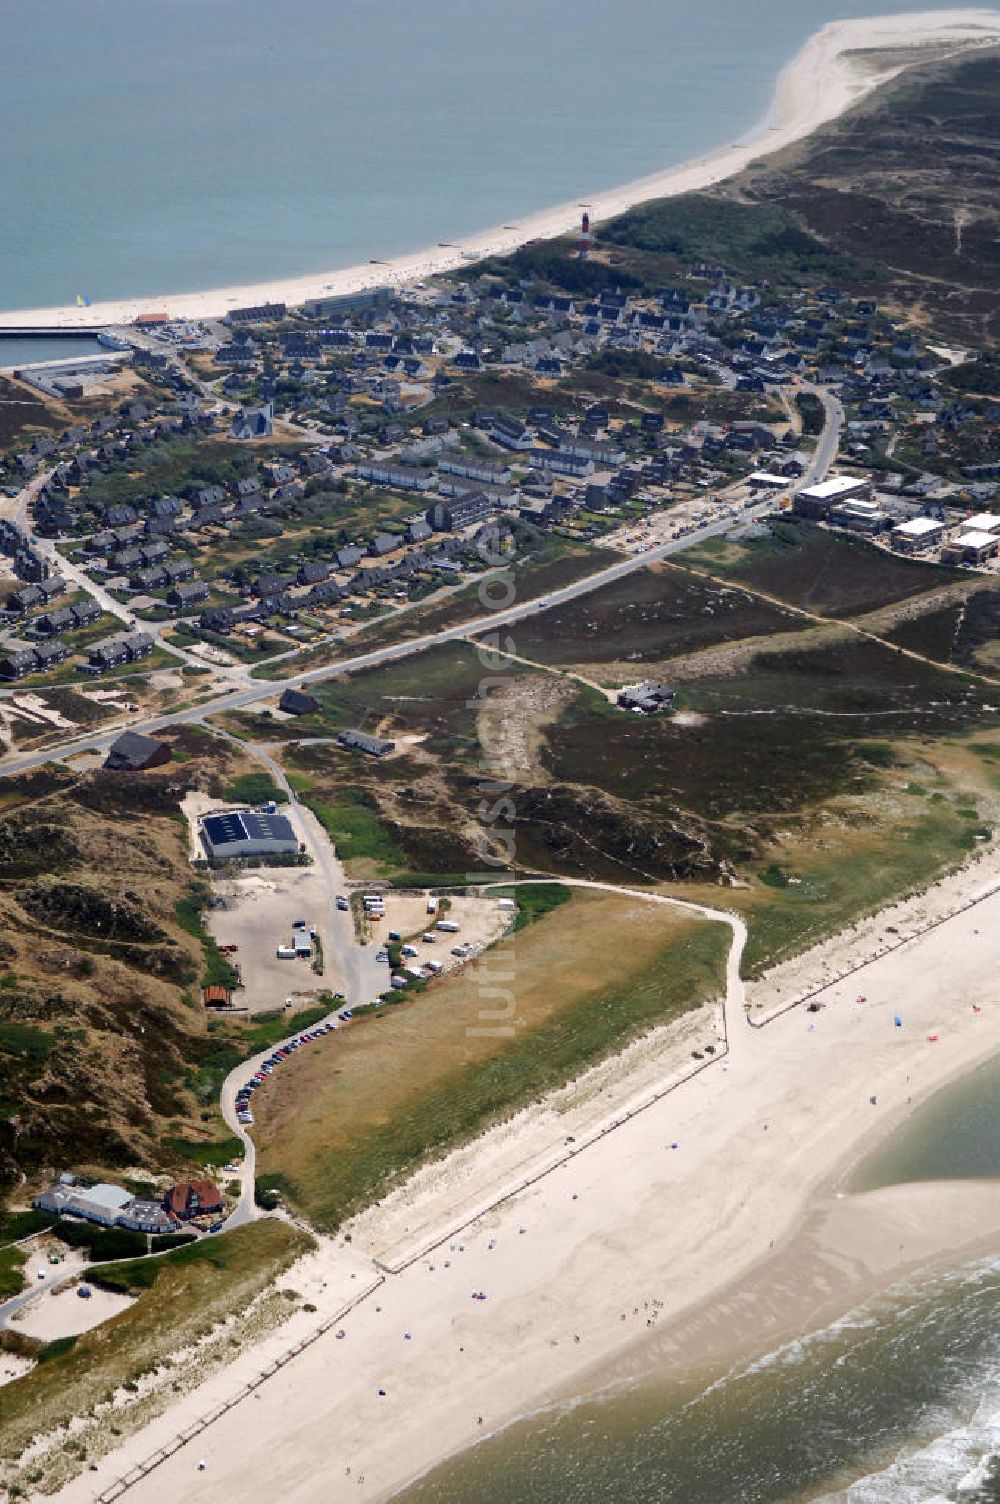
point(820, 83)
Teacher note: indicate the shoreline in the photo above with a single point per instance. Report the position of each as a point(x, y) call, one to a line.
point(574, 1264)
point(823, 80)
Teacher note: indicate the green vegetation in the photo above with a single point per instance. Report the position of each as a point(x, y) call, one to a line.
point(226, 1047)
point(101, 1242)
point(182, 1295)
point(12, 1262)
point(936, 128)
point(592, 974)
point(811, 411)
point(188, 912)
point(57, 1348)
point(750, 240)
point(23, 416)
point(535, 901)
point(254, 788)
point(172, 465)
point(197, 1152)
point(17, 1225)
point(853, 877)
point(27, 1042)
point(653, 614)
point(826, 572)
point(353, 826)
point(980, 377)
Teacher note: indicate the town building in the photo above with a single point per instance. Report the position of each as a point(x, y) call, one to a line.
point(917, 534)
point(461, 511)
point(647, 698)
point(971, 547)
point(240, 833)
point(134, 753)
point(816, 501)
point(297, 702)
point(106, 1205)
point(360, 741)
point(193, 1198)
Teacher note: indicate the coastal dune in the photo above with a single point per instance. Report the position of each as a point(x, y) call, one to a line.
point(705, 1228)
point(836, 68)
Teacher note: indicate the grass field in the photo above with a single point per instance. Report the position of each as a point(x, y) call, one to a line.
point(570, 988)
point(363, 844)
point(181, 1296)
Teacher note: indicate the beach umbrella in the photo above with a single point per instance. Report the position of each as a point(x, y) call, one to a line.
point(897, 1021)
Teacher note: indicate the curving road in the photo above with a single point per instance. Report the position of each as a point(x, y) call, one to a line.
point(266, 689)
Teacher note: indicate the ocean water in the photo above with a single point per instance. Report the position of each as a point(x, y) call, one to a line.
point(896, 1403)
point(19, 352)
point(157, 146)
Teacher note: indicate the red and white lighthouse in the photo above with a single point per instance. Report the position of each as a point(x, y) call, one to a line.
point(585, 236)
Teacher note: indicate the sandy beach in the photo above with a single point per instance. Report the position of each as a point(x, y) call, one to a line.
point(820, 83)
point(708, 1226)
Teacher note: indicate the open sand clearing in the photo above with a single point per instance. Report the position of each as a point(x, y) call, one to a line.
point(65, 1312)
point(818, 85)
point(642, 1241)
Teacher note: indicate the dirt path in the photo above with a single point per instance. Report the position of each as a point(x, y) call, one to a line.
point(833, 621)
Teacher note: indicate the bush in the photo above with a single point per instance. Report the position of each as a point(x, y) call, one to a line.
point(168, 1240)
point(56, 1349)
point(102, 1242)
point(255, 788)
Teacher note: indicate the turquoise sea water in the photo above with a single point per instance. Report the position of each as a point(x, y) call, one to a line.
point(897, 1403)
point(169, 145)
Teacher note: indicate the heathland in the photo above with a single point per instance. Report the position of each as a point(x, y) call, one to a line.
point(833, 745)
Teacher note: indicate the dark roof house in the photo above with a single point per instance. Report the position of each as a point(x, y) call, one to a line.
point(133, 752)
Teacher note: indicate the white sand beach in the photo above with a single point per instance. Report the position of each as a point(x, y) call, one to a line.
point(821, 82)
point(708, 1225)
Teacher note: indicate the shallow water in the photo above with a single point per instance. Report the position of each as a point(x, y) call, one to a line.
point(897, 1403)
point(954, 1136)
point(178, 145)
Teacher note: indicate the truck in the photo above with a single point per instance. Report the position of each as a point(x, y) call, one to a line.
point(303, 945)
point(285, 953)
point(448, 926)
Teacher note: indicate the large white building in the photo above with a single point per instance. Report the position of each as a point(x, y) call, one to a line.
point(918, 533)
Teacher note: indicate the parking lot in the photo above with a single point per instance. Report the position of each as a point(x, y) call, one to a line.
point(481, 920)
point(256, 911)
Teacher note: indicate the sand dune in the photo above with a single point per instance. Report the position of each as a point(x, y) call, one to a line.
point(633, 1251)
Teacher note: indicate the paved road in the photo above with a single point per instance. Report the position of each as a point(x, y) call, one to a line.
point(239, 699)
point(265, 689)
point(828, 443)
point(39, 1287)
point(364, 977)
